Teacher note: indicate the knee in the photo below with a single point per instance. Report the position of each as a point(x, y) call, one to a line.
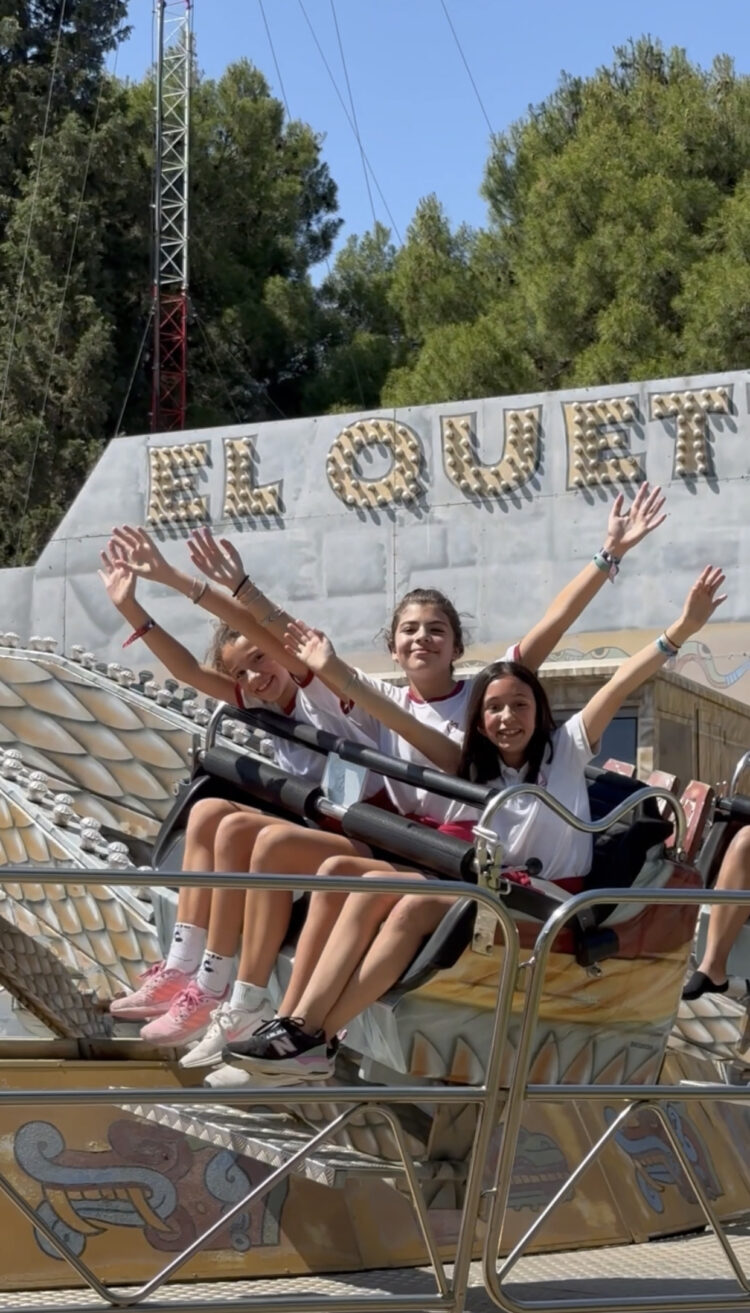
point(341, 864)
point(207, 814)
point(270, 848)
point(235, 833)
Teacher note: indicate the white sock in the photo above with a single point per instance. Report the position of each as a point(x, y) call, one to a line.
point(186, 949)
point(247, 996)
point(214, 973)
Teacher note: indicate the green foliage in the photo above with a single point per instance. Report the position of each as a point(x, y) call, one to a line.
point(617, 246)
point(58, 338)
point(262, 213)
point(359, 332)
point(604, 198)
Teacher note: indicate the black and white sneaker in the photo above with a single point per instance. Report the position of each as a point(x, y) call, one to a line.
point(282, 1051)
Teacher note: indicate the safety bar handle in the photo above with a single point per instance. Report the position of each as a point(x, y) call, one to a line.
point(406, 772)
point(734, 807)
point(486, 835)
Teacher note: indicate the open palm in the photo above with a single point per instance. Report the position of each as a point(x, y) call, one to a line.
point(218, 560)
point(311, 646)
point(141, 553)
point(117, 576)
point(704, 597)
point(625, 530)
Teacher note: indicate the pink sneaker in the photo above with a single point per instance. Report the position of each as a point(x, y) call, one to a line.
point(160, 985)
point(188, 1016)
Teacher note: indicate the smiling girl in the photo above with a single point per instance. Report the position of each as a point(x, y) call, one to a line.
point(179, 995)
point(511, 737)
point(425, 638)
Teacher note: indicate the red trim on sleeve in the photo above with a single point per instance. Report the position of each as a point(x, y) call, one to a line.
point(289, 708)
point(303, 681)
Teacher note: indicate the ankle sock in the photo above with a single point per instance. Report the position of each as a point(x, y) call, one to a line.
point(214, 973)
point(245, 995)
point(699, 983)
point(186, 949)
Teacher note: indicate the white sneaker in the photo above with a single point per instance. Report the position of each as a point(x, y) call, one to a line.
point(226, 1076)
point(229, 1025)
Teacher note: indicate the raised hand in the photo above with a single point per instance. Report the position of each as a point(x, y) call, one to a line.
point(219, 561)
point(116, 575)
point(626, 529)
point(702, 600)
point(141, 554)
point(311, 646)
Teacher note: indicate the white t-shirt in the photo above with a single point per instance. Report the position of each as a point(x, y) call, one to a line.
point(447, 715)
point(314, 704)
point(527, 828)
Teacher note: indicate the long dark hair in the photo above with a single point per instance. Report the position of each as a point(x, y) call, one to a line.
point(428, 597)
point(480, 759)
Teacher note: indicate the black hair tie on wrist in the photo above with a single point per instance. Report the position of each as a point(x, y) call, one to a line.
point(240, 585)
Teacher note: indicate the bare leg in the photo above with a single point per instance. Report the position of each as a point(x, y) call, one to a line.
point(410, 921)
point(234, 844)
point(323, 912)
point(287, 850)
point(725, 923)
point(349, 940)
point(194, 905)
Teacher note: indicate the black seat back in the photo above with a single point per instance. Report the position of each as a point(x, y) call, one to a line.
point(620, 852)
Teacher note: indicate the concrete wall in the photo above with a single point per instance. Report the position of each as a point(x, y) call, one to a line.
point(498, 502)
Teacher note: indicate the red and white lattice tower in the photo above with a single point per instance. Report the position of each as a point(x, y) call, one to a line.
point(173, 24)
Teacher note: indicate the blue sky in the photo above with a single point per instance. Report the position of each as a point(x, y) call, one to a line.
point(421, 125)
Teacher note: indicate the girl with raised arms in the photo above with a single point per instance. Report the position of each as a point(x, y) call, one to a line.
point(425, 639)
point(511, 736)
point(179, 995)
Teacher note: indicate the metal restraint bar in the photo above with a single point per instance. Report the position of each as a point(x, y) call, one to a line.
point(450, 1292)
point(487, 836)
point(488, 854)
point(635, 1098)
point(283, 727)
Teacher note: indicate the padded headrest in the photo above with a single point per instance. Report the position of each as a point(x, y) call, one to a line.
point(607, 789)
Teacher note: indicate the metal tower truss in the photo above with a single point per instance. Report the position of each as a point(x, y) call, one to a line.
point(173, 23)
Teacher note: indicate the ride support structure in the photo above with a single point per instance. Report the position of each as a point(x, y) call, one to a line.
point(174, 45)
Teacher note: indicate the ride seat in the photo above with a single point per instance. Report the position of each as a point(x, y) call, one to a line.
point(619, 855)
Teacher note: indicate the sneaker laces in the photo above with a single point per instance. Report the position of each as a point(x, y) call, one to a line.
point(186, 1002)
point(155, 969)
point(226, 1016)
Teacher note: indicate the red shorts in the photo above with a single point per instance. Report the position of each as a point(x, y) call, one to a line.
point(459, 829)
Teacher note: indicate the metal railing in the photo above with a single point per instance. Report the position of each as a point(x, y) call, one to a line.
point(450, 1292)
point(487, 839)
point(487, 1097)
point(636, 1098)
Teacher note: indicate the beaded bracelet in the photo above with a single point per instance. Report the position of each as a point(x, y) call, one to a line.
point(139, 633)
point(607, 562)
